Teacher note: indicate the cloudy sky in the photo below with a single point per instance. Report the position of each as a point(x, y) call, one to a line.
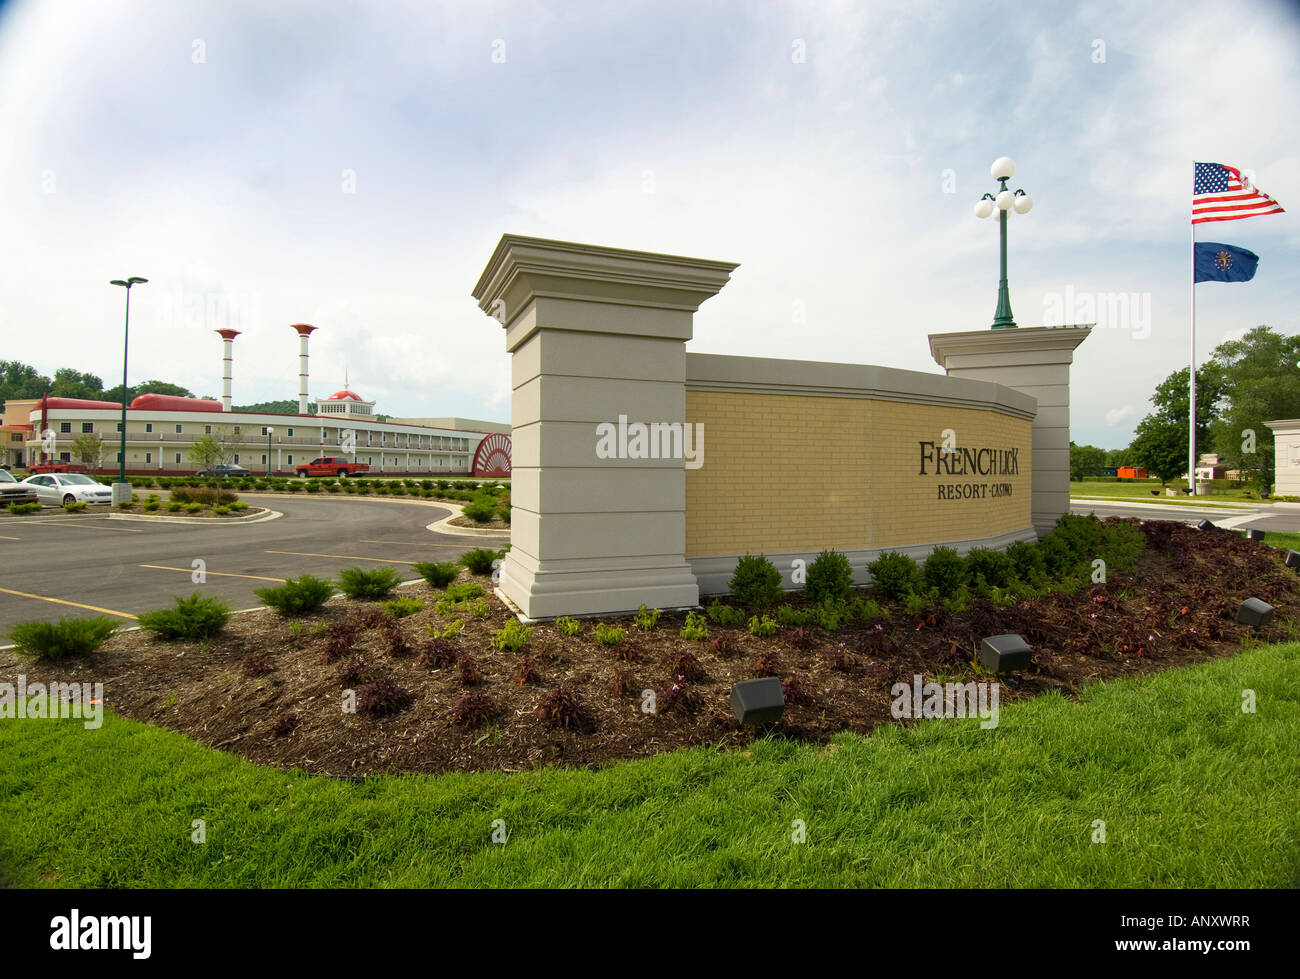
point(353, 164)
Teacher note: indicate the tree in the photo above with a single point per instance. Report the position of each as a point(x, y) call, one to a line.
point(70, 383)
point(1119, 457)
point(1085, 460)
point(1161, 436)
point(1160, 446)
point(88, 449)
point(148, 387)
point(1261, 382)
point(19, 380)
point(283, 407)
point(215, 449)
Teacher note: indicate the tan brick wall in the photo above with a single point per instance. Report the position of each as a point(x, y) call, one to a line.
point(788, 473)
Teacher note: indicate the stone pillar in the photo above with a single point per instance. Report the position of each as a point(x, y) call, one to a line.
point(1035, 360)
point(594, 333)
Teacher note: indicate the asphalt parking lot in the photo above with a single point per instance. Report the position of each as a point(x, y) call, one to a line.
point(1257, 517)
point(56, 566)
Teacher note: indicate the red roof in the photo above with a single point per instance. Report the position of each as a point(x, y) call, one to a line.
point(77, 403)
point(344, 395)
point(172, 402)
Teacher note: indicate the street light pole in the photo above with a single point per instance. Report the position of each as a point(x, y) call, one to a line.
point(269, 432)
point(1003, 169)
point(121, 488)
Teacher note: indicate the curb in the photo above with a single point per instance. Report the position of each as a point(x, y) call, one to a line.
point(205, 521)
point(444, 526)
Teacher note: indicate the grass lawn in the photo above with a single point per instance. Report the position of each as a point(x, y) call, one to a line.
point(1194, 793)
point(1141, 490)
point(1283, 539)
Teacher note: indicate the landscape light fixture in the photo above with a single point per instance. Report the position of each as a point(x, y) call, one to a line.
point(1293, 559)
point(758, 701)
point(1254, 535)
point(1204, 525)
point(1003, 654)
point(121, 488)
point(1255, 613)
point(1001, 205)
point(269, 432)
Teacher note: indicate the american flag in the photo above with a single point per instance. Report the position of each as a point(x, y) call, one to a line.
point(1218, 194)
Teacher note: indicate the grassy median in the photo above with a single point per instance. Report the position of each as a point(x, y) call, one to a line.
point(1193, 791)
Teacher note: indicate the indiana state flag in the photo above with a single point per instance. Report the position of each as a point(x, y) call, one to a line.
point(1224, 263)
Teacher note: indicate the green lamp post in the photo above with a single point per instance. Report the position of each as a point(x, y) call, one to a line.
point(1003, 169)
point(121, 488)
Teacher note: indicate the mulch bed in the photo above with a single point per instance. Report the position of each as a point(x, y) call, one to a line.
point(271, 690)
point(496, 523)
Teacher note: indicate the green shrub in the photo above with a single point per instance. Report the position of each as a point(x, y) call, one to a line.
point(479, 512)
point(944, 571)
point(479, 608)
point(992, 567)
point(479, 560)
point(645, 618)
point(373, 584)
point(609, 635)
point(438, 575)
point(220, 511)
point(192, 507)
point(914, 604)
point(789, 617)
point(76, 506)
point(1027, 562)
point(869, 610)
point(239, 506)
point(504, 513)
point(511, 636)
point(464, 591)
point(195, 617)
point(569, 626)
point(453, 629)
point(174, 506)
point(830, 577)
point(400, 608)
point(895, 575)
point(755, 583)
point(764, 627)
point(204, 496)
point(333, 488)
point(58, 640)
point(18, 509)
point(127, 504)
point(727, 616)
point(297, 596)
point(830, 615)
point(314, 487)
point(696, 627)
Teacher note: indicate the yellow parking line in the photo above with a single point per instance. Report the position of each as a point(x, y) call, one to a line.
point(219, 574)
point(409, 543)
point(81, 524)
point(344, 557)
point(10, 538)
point(61, 601)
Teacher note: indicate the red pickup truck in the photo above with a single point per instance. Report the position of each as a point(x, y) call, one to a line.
point(56, 467)
point(331, 466)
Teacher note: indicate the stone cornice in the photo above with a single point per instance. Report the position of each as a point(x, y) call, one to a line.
point(761, 375)
point(1057, 340)
point(523, 268)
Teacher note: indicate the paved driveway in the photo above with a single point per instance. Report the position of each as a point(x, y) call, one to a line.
point(56, 566)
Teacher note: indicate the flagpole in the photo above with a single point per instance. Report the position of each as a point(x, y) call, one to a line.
point(1191, 372)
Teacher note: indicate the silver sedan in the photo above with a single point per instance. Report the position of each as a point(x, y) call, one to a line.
point(59, 488)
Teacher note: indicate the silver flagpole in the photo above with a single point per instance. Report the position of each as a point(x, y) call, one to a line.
point(1191, 372)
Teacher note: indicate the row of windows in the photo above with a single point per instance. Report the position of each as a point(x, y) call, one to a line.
point(434, 441)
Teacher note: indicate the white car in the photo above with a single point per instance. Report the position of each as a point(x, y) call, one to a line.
point(59, 488)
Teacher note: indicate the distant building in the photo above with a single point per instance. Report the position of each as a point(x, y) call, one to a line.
point(161, 429)
point(462, 424)
point(1131, 472)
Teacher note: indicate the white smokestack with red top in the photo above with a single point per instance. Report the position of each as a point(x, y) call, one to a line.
point(304, 331)
point(227, 346)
